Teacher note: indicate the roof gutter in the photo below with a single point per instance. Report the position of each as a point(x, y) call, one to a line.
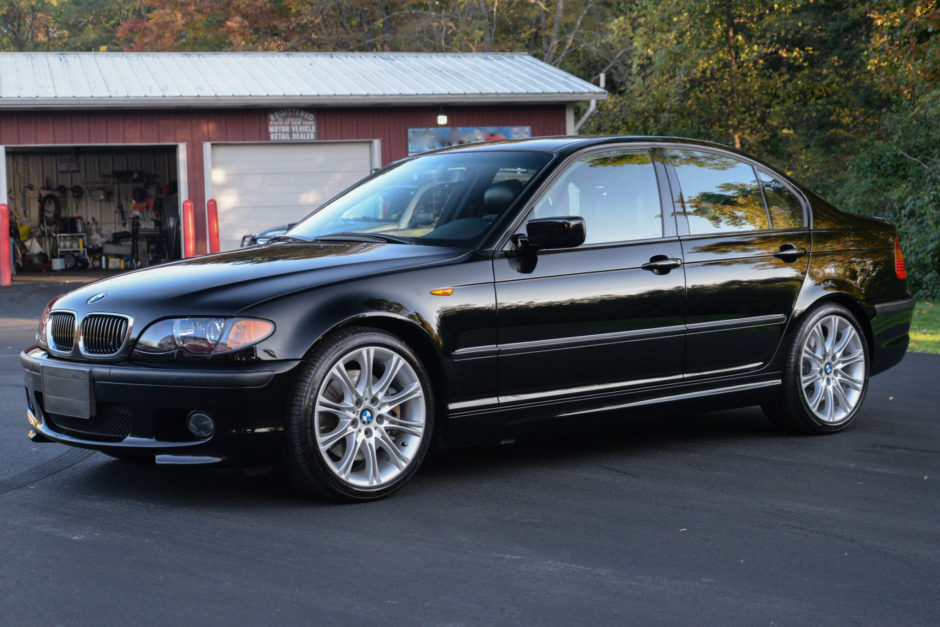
point(592, 106)
point(346, 100)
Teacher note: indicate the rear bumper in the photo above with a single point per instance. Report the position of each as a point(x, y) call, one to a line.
point(142, 410)
point(891, 326)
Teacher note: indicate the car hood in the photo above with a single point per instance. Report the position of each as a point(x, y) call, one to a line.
point(225, 283)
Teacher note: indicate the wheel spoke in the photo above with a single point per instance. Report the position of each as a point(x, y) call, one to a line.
point(850, 381)
point(808, 380)
point(391, 370)
point(817, 397)
point(847, 337)
point(372, 462)
point(341, 431)
point(341, 409)
point(814, 359)
point(852, 359)
point(349, 458)
point(833, 324)
point(342, 377)
point(841, 397)
point(405, 427)
point(410, 393)
point(384, 441)
point(366, 358)
point(828, 393)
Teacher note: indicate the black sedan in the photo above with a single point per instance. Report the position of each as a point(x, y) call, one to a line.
point(477, 293)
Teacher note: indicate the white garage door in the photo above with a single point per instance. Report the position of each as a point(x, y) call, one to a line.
point(259, 186)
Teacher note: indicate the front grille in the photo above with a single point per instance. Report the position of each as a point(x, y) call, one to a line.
point(103, 334)
point(111, 423)
point(63, 331)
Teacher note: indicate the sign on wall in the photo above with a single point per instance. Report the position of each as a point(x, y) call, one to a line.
point(424, 139)
point(292, 125)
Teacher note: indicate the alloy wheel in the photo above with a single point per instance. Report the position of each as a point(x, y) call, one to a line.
point(832, 369)
point(369, 417)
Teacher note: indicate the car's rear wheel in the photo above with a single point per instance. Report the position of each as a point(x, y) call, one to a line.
point(360, 418)
point(826, 375)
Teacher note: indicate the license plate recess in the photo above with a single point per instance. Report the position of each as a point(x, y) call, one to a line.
point(67, 391)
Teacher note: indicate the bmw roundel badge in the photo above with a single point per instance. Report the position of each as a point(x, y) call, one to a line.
point(96, 298)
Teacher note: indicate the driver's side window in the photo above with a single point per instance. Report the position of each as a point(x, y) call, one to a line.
point(615, 192)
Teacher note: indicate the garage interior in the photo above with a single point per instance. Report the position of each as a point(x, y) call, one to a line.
point(93, 207)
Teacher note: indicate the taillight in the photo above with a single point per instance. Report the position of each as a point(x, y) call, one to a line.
point(899, 259)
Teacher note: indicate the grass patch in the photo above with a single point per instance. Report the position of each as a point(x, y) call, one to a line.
point(925, 329)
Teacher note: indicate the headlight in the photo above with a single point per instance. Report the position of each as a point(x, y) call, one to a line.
point(43, 321)
point(202, 336)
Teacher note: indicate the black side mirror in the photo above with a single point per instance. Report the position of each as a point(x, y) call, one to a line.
point(562, 232)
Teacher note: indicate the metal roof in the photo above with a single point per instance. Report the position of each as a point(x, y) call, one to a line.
point(220, 79)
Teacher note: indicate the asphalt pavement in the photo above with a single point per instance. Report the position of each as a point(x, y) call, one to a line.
point(675, 519)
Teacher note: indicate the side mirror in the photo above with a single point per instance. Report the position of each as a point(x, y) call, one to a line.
point(563, 232)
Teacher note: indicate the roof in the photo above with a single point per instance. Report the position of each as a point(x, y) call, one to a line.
point(225, 79)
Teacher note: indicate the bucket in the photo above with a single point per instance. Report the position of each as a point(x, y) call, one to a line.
point(58, 263)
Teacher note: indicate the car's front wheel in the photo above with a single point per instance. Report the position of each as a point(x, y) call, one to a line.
point(826, 373)
point(360, 418)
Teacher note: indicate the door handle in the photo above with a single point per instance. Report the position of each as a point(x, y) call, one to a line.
point(661, 264)
point(789, 252)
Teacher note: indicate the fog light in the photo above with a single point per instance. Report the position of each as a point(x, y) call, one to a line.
point(200, 424)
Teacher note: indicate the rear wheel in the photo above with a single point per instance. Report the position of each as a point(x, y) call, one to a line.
point(361, 417)
point(826, 375)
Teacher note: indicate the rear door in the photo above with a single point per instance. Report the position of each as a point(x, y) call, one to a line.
point(744, 264)
point(592, 319)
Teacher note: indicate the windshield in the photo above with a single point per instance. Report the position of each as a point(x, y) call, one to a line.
point(449, 198)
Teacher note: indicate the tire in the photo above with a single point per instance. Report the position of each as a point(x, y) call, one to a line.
point(351, 439)
point(825, 378)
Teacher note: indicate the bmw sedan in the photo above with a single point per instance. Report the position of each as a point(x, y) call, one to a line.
point(480, 292)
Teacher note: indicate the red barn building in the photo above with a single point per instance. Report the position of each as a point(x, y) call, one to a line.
point(121, 140)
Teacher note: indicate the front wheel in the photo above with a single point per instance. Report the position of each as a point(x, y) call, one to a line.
point(826, 375)
point(360, 418)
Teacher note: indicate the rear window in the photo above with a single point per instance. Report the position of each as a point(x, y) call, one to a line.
point(786, 210)
point(717, 193)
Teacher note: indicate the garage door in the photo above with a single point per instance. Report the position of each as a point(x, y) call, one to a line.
point(258, 186)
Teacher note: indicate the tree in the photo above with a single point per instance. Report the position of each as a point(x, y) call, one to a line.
point(27, 25)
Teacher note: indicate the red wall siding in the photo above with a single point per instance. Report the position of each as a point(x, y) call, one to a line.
point(193, 127)
point(391, 124)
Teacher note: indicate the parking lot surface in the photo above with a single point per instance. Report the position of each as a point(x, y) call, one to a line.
point(705, 518)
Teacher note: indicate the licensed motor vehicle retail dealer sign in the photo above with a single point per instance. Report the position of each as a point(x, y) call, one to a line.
point(292, 125)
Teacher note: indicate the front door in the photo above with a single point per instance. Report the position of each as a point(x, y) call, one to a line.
point(592, 319)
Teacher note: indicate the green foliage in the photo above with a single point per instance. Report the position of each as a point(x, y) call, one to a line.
point(925, 328)
point(898, 177)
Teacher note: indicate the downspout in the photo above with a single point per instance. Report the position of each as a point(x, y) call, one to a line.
point(592, 106)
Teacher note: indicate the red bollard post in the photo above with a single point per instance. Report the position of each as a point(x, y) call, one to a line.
point(189, 230)
point(6, 267)
point(212, 211)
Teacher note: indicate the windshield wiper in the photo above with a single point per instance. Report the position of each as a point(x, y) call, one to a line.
point(364, 237)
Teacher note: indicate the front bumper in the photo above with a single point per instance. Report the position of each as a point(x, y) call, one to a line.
point(142, 409)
